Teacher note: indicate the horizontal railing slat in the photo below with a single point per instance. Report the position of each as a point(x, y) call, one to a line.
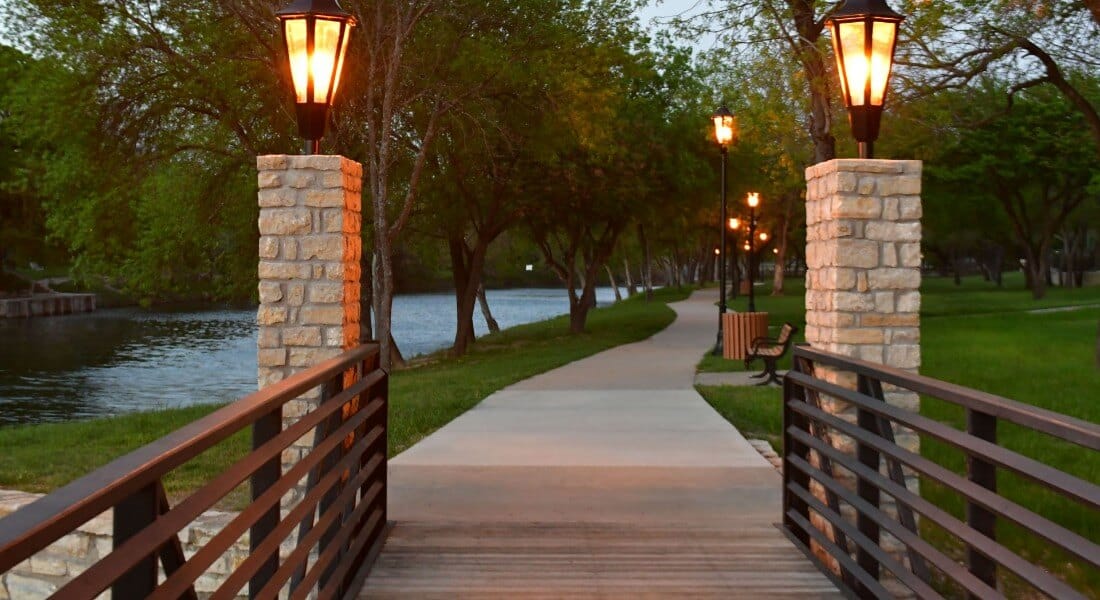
point(300, 553)
point(1040, 578)
point(922, 589)
point(1040, 526)
point(1052, 423)
point(845, 561)
point(1068, 485)
point(40, 523)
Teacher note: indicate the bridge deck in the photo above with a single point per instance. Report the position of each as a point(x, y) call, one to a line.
point(609, 477)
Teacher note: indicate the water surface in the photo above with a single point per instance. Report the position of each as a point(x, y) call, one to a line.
point(123, 360)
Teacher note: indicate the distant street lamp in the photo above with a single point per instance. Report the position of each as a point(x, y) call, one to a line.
point(734, 225)
point(315, 35)
point(725, 133)
point(753, 201)
point(865, 36)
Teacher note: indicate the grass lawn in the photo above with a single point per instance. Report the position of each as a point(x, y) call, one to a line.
point(986, 338)
point(39, 458)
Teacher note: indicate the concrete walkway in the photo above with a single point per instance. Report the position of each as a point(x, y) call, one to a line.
point(607, 477)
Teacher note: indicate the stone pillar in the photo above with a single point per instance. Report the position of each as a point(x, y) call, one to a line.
point(309, 268)
point(863, 256)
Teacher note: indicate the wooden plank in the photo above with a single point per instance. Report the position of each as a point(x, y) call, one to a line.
point(487, 559)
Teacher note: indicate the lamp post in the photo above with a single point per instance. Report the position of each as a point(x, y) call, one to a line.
point(864, 36)
point(315, 37)
point(725, 133)
point(734, 225)
point(753, 201)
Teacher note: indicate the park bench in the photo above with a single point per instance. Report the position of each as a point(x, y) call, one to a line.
point(770, 350)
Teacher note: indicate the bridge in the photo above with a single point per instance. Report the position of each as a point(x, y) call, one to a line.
point(608, 477)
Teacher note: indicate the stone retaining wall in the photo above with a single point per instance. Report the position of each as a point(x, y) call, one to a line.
point(45, 572)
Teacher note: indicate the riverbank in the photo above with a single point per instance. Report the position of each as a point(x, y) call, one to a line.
point(39, 458)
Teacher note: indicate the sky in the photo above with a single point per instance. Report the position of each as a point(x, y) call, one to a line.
point(662, 11)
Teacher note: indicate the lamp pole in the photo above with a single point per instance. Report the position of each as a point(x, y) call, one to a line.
point(725, 133)
point(752, 256)
point(734, 224)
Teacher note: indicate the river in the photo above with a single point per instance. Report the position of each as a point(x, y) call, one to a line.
point(123, 360)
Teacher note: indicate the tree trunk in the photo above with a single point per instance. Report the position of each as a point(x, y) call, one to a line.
point(470, 265)
point(366, 296)
point(631, 289)
point(614, 286)
point(494, 327)
point(647, 264)
point(1038, 271)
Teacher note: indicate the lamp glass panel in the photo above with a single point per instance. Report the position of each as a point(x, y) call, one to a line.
point(326, 38)
point(723, 129)
point(840, 63)
point(882, 46)
point(340, 63)
point(296, 33)
point(856, 63)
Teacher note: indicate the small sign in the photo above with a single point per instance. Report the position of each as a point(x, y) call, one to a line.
point(530, 267)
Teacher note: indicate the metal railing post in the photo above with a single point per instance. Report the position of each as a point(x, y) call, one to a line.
point(868, 491)
point(265, 428)
point(131, 516)
point(984, 473)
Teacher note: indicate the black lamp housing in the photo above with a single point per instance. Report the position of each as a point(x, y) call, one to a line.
point(865, 37)
point(315, 37)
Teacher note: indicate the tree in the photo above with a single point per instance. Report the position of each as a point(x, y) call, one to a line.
point(1035, 164)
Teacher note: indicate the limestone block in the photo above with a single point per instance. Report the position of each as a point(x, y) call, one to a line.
point(276, 197)
point(854, 302)
point(909, 254)
point(270, 292)
point(891, 320)
point(271, 357)
point(856, 253)
point(908, 302)
point(290, 249)
point(271, 162)
point(903, 356)
point(326, 292)
point(269, 247)
point(909, 208)
point(322, 315)
point(857, 207)
point(285, 221)
point(330, 197)
point(295, 293)
point(301, 356)
point(268, 337)
point(271, 315)
point(893, 231)
point(300, 179)
point(270, 269)
point(907, 185)
point(322, 247)
point(894, 279)
point(889, 255)
point(302, 336)
point(859, 335)
point(24, 586)
point(872, 353)
point(890, 211)
point(884, 301)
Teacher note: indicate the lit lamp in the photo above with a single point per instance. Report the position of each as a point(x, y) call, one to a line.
point(734, 224)
point(753, 200)
point(315, 33)
point(725, 133)
point(864, 35)
point(763, 236)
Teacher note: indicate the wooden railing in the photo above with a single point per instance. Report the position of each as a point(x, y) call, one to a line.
point(857, 547)
point(346, 492)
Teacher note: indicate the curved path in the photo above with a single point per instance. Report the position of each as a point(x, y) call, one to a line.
point(607, 477)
